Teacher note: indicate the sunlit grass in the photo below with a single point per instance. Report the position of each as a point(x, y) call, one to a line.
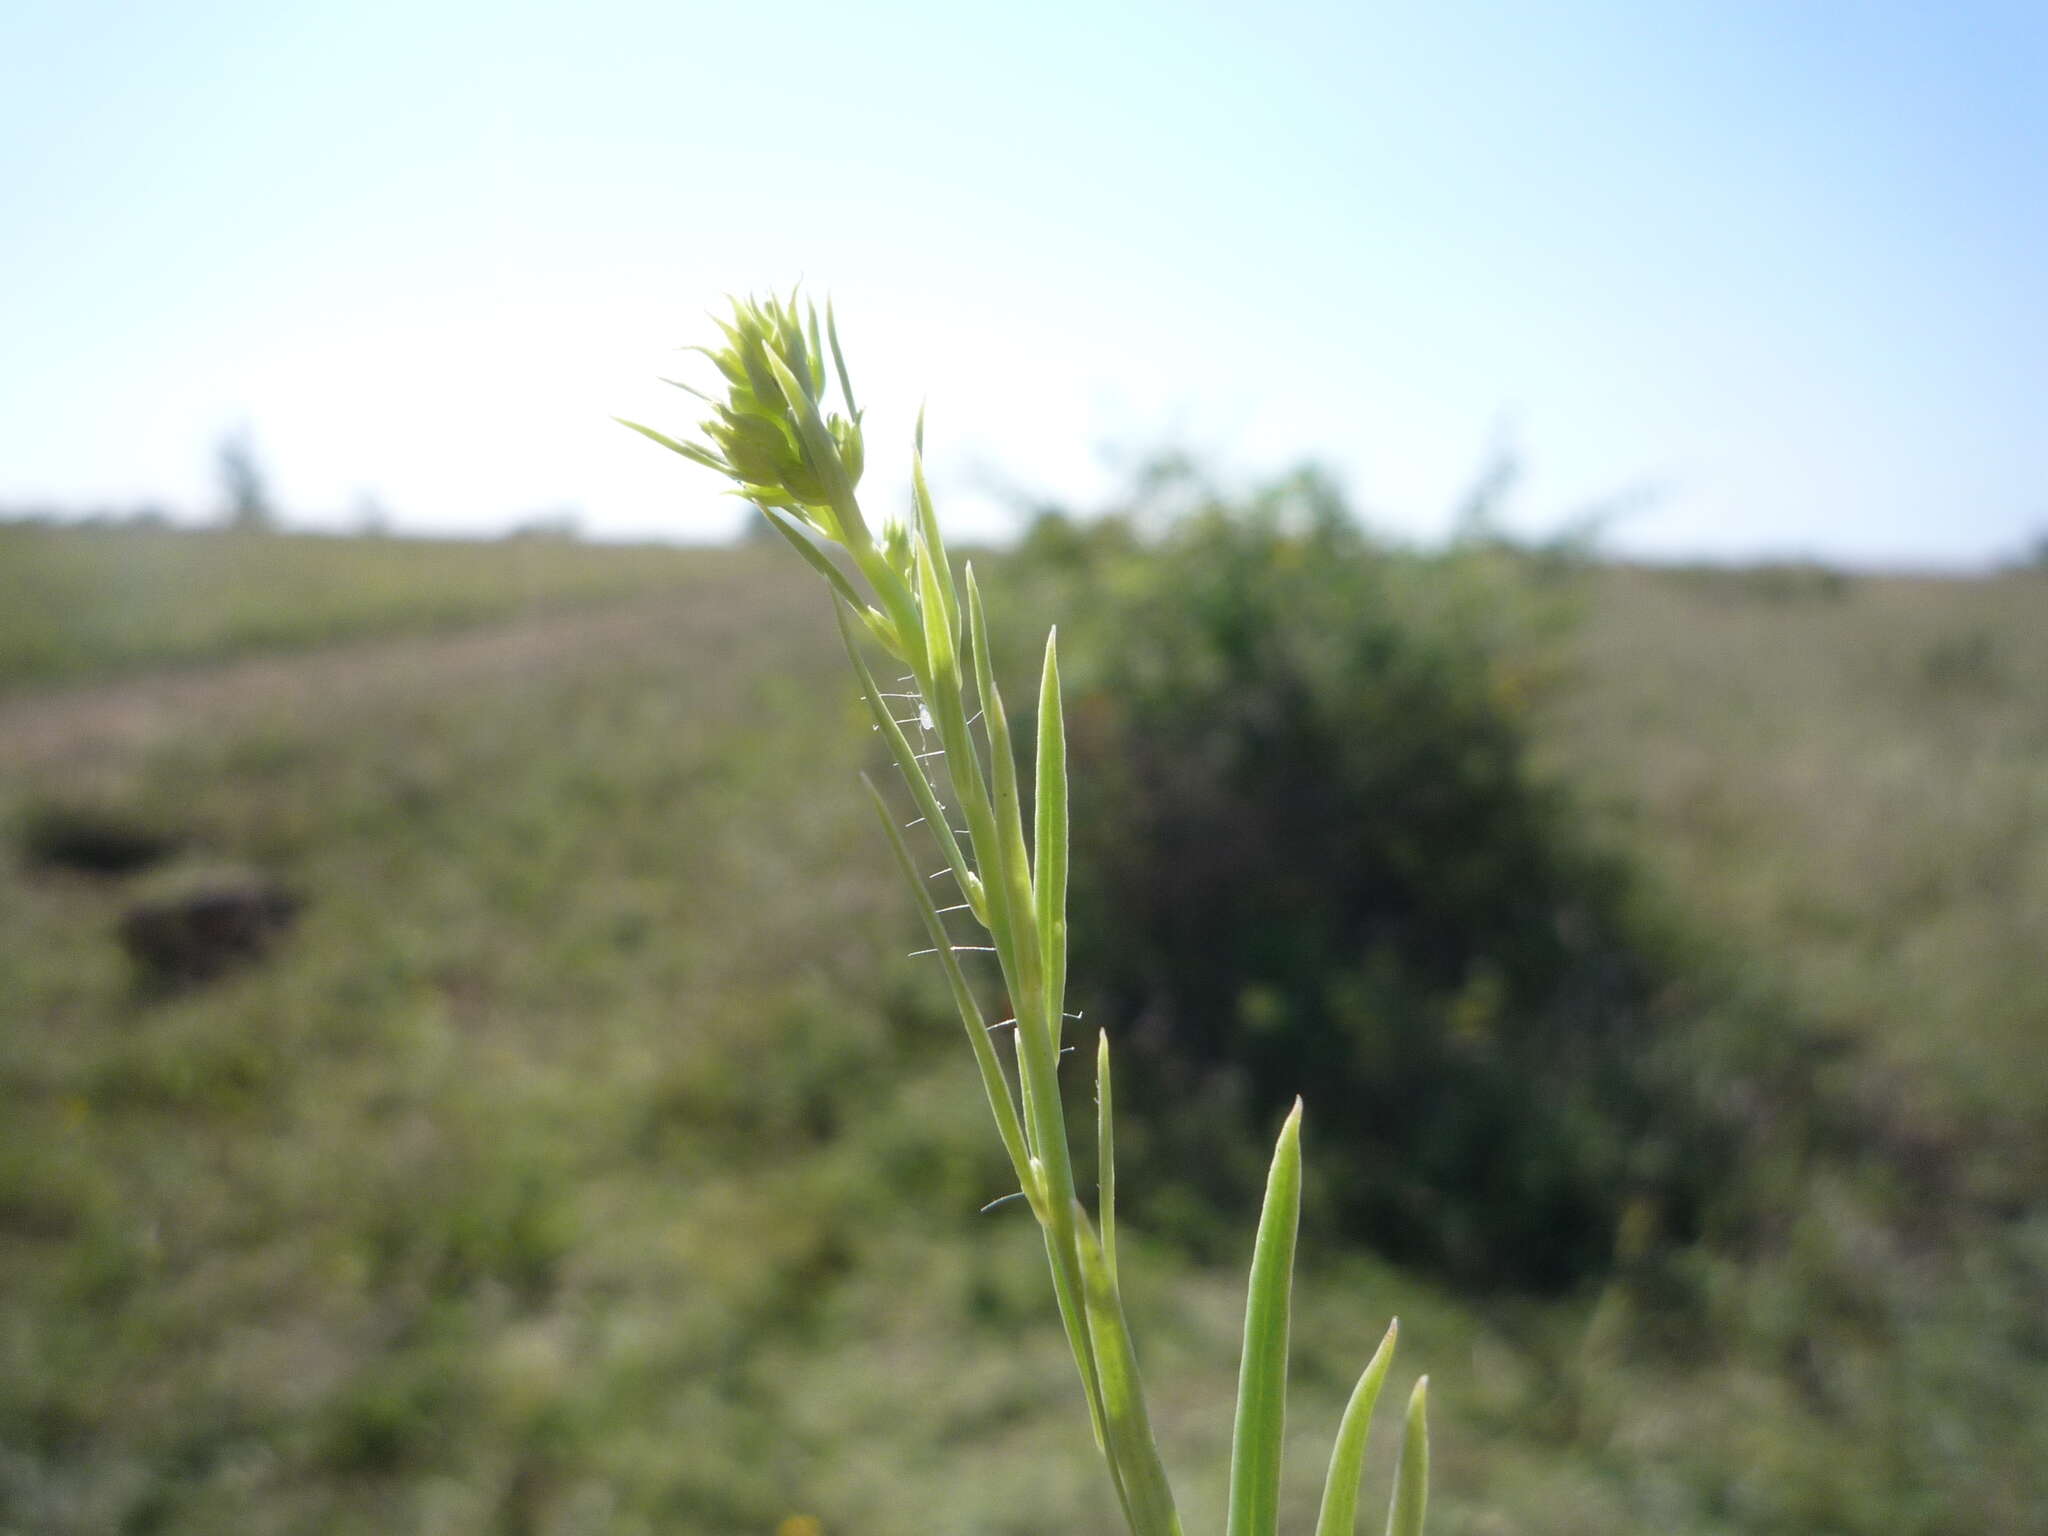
point(434, 1221)
point(80, 602)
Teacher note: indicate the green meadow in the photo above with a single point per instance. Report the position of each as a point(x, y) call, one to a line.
point(591, 1155)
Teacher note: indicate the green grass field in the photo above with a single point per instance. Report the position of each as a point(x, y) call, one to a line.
point(581, 1163)
point(79, 602)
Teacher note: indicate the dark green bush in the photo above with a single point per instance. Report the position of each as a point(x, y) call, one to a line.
point(1312, 856)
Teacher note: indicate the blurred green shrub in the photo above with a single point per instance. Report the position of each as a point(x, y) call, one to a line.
point(1314, 856)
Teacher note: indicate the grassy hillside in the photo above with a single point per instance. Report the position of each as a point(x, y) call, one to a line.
point(583, 1160)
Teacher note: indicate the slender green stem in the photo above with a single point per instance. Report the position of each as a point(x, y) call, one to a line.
point(772, 438)
point(992, 1079)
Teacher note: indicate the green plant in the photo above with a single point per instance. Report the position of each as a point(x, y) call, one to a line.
point(772, 435)
point(1319, 847)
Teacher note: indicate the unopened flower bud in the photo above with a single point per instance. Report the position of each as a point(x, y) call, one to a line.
point(758, 435)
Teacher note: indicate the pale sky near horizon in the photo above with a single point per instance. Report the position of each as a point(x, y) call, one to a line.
point(1780, 267)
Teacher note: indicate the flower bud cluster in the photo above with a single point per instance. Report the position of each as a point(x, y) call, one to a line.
point(770, 433)
point(772, 436)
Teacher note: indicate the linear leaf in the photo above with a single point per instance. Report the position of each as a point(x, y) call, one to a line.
point(814, 557)
point(687, 450)
point(906, 756)
point(993, 1083)
point(839, 360)
point(1339, 1515)
point(1105, 1154)
point(928, 525)
point(1262, 1375)
point(689, 389)
point(1049, 841)
point(1013, 860)
point(1411, 1478)
point(1069, 1289)
point(941, 642)
point(970, 790)
point(1148, 1500)
point(814, 355)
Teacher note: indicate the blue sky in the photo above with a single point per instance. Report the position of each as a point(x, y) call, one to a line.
point(1781, 268)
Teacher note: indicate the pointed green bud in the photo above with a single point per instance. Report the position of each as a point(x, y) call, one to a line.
point(852, 453)
point(773, 354)
point(896, 548)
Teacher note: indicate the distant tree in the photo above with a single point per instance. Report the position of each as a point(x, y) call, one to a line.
point(245, 495)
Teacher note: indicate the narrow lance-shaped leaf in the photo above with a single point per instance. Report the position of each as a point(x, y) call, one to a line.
point(1262, 1375)
point(1061, 1244)
point(813, 556)
point(1049, 844)
point(1148, 1500)
point(993, 1083)
point(688, 450)
point(1411, 1478)
point(986, 889)
point(906, 760)
point(688, 389)
point(1009, 868)
point(1013, 860)
point(839, 361)
point(1105, 1153)
point(1339, 1515)
point(1069, 1291)
point(1038, 1073)
point(940, 642)
point(928, 525)
point(814, 355)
